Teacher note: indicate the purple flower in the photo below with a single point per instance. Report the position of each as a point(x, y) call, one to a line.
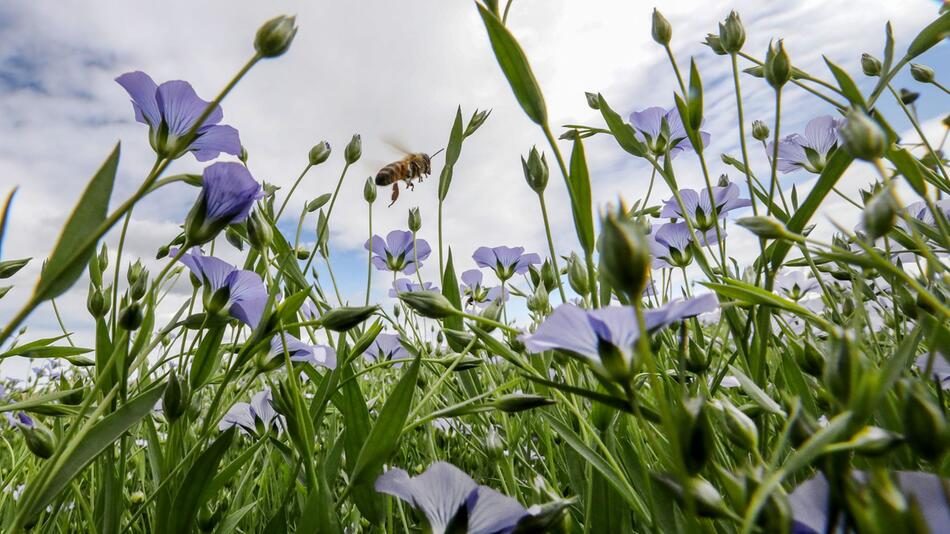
point(477, 294)
point(921, 212)
point(670, 245)
point(405, 285)
point(396, 252)
point(809, 501)
point(940, 370)
point(505, 261)
point(242, 292)
point(443, 489)
point(315, 355)
point(387, 347)
point(588, 332)
point(795, 285)
point(649, 125)
point(809, 151)
point(228, 192)
point(254, 418)
point(698, 208)
point(25, 420)
point(170, 110)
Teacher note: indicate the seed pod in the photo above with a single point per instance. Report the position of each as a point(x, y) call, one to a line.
point(519, 402)
point(922, 73)
point(924, 424)
point(778, 67)
point(740, 429)
point(345, 318)
point(176, 397)
point(593, 101)
point(577, 274)
point(353, 150)
point(765, 227)
point(715, 44)
point(131, 317)
point(732, 33)
point(862, 137)
point(696, 435)
point(275, 36)
point(38, 438)
point(760, 131)
point(880, 213)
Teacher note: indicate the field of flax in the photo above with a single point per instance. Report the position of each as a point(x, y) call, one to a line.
point(646, 382)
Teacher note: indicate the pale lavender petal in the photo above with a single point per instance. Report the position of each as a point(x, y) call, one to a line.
point(472, 278)
point(214, 140)
point(181, 107)
point(821, 134)
point(490, 512)
point(262, 408)
point(568, 328)
point(377, 245)
point(239, 414)
point(648, 121)
point(438, 492)
point(399, 243)
point(508, 256)
point(485, 257)
point(229, 191)
point(208, 269)
point(380, 263)
point(142, 89)
point(621, 324)
point(422, 250)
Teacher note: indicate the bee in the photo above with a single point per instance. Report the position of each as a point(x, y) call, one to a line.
point(413, 166)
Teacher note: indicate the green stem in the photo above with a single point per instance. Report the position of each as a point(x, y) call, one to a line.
point(291, 192)
point(369, 256)
point(547, 232)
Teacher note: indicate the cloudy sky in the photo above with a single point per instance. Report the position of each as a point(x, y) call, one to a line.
point(390, 70)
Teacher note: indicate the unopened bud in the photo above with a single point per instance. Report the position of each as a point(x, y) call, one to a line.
point(766, 227)
point(715, 44)
point(732, 33)
point(535, 170)
point(778, 68)
point(38, 438)
point(862, 137)
point(478, 118)
point(760, 131)
point(345, 318)
point(230, 234)
point(10, 267)
point(130, 318)
point(593, 101)
point(870, 65)
point(429, 304)
point(369, 190)
point(740, 428)
point(260, 232)
point(519, 402)
point(577, 275)
point(97, 304)
point(176, 398)
point(137, 497)
point(924, 424)
point(661, 30)
point(319, 153)
point(415, 220)
point(696, 435)
point(353, 150)
point(625, 254)
point(275, 36)
point(880, 213)
point(922, 73)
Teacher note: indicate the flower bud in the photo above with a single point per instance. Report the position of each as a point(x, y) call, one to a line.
point(593, 101)
point(10, 267)
point(765, 227)
point(139, 288)
point(135, 272)
point(661, 30)
point(493, 312)
point(539, 302)
point(97, 304)
point(732, 33)
point(318, 202)
point(778, 68)
point(176, 398)
point(870, 65)
point(696, 435)
point(429, 304)
point(880, 213)
point(275, 36)
point(908, 97)
point(494, 446)
point(715, 44)
point(230, 234)
point(319, 153)
point(922, 73)
point(130, 318)
point(345, 318)
point(38, 438)
point(478, 118)
point(74, 398)
point(924, 424)
point(137, 497)
point(625, 254)
point(415, 220)
point(873, 441)
point(369, 190)
point(577, 274)
point(535, 170)
point(862, 137)
point(760, 131)
point(260, 232)
point(302, 254)
point(519, 402)
point(353, 150)
point(103, 258)
point(740, 429)
point(843, 368)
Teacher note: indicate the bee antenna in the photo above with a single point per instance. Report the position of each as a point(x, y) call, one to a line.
point(436, 153)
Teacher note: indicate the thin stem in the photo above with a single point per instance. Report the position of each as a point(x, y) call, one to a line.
point(547, 232)
point(369, 256)
point(291, 192)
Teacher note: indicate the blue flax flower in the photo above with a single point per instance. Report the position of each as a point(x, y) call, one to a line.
point(254, 418)
point(649, 124)
point(505, 261)
point(396, 254)
point(316, 355)
point(443, 491)
point(477, 294)
point(809, 151)
point(387, 347)
point(171, 110)
point(228, 191)
point(698, 208)
point(588, 333)
point(241, 293)
point(795, 285)
point(670, 244)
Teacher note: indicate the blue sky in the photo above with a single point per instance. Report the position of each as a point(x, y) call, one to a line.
point(385, 70)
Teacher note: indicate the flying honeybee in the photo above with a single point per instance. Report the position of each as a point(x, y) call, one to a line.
point(413, 166)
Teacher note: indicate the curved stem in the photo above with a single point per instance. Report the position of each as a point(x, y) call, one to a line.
point(547, 232)
point(291, 192)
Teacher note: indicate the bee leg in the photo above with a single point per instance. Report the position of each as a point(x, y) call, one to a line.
point(395, 193)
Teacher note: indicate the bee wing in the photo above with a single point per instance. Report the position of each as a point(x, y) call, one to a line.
point(396, 145)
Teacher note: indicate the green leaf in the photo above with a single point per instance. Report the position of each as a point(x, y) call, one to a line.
point(746, 292)
point(833, 171)
point(87, 448)
point(579, 182)
point(73, 249)
point(848, 88)
point(760, 397)
point(624, 134)
point(205, 360)
point(233, 468)
point(191, 493)
point(695, 99)
point(30, 404)
point(384, 436)
point(911, 169)
point(353, 408)
point(5, 215)
point(930, 36)
point(41, 349)
point(232, 520)
point(597, 462)
point(450, 290)
point(515, 66)
point(452, 151)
